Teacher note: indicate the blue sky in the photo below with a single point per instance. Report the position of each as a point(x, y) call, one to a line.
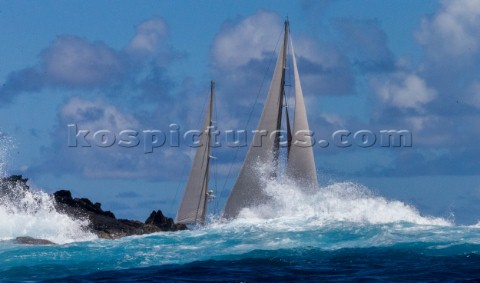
point(143, 65)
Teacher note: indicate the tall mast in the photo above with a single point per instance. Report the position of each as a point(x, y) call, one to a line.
point(282, 95)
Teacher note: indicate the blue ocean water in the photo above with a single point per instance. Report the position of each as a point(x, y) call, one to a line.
point(342, 233)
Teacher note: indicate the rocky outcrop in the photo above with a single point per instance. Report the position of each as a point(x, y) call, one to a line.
point(104, 223)
point(157, 219)
point(81, 205)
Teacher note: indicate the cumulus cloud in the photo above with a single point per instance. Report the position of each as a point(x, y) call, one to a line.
point(252, 38)
point(148, 37)
point(73, 62)
point(106, 88)
point(438, 97)
point(70, 61)
point(105, 162)
point(407, 91)
point(97, 115)
point(453, 31)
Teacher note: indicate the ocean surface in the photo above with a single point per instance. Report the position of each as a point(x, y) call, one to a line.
point(342, 233)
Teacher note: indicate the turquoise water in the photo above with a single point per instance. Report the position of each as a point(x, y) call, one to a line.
point(239, 252)
point(343, 232)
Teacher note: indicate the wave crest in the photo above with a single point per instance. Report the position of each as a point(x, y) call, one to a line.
point(338, 202)
point(32, 213)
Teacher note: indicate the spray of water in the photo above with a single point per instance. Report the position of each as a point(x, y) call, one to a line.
point(32, 213)
point(26, 212)
point(344, 202)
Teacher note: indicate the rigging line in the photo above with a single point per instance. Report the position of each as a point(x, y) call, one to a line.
point(251, 112)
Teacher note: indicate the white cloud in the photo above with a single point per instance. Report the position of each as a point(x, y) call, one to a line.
point(453, 31)
point(407, 91)
point(148, 37)
point(95, 115)
point(249, 39)
point(75, 61)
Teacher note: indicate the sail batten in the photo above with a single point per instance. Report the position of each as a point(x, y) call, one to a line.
point(193, 207)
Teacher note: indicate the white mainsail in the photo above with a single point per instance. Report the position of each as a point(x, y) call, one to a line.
point(248, 189)
point(193, 207)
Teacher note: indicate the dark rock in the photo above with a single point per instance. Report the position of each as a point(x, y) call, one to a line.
point(157, 219)
point(32, 241)
point(82, 204)
point(64, 196)
point(104, 223)
point(14, 180)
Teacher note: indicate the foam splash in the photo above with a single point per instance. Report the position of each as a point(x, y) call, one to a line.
point(477, 225)
point(338, 202)
point(32, 213)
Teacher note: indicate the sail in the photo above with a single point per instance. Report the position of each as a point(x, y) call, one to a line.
point(301, 164)
point(263, 152)
point(193, 207)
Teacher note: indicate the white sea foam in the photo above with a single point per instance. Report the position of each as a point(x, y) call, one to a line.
point(338, 202)
point(477, 225)
point(32, 214)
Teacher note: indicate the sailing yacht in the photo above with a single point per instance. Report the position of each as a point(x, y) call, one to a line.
point(193, 208)
point(248, 190)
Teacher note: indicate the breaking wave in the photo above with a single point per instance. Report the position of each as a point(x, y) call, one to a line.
point(32, 213)
point(28, 213)
point(338, 202)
